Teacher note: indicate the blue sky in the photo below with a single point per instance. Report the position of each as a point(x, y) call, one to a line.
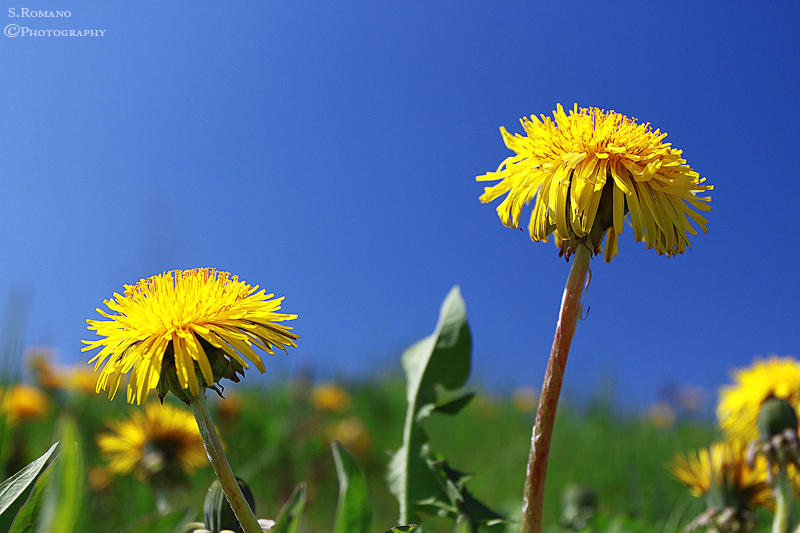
point(327, 151)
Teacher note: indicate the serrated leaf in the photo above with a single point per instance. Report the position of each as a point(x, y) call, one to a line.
point(14, 486)
point(353, 512)
point(64, 498)
point(289, 518)
point(453, 485)
point(439, 361)
point(28, 515)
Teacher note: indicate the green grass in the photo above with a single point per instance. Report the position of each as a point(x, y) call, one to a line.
point(278, 439)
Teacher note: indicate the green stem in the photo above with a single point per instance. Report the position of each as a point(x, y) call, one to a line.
point(162, 502)
point(219, 462)
point(551, 389)
point(780, 522)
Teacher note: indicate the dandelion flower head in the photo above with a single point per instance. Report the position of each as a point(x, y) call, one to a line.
point(587, 171)
point(740, 403)
point(184, 330)
point(23, 402)
point(159, 438)
point(720, 472)
point(330, 397)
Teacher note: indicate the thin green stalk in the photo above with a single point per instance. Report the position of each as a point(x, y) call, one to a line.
point(162, 502)
point(219, 462)
point(780, 522)
point(551, 389)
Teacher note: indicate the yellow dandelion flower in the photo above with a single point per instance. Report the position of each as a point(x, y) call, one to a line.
point(330, 397)
point(159, 438)
point(174, 327)
point(587, 171)
point(23, 402)
point(740, 403)
point(720, 473)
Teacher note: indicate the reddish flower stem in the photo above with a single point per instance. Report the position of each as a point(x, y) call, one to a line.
point(551, 389)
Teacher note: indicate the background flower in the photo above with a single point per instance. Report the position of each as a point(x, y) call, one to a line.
point(23, 402)
point(740, 402)
point(159, 438)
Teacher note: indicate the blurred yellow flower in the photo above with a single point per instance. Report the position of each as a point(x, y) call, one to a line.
point(80, 380)
point(587, 171)
point(23, 402)
point(525, 399)
point(721, 473)
point(330, 397)
point(352, 433)
point(99, 479)
point(159, 438)
point(174, 327)
point(740, 402)
point(661, 414)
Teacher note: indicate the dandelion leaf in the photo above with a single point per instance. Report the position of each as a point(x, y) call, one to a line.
point(436, 367)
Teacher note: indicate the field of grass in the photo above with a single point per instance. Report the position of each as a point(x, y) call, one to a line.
point(276, 437)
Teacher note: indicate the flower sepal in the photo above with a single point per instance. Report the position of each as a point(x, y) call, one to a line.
point(221, 368)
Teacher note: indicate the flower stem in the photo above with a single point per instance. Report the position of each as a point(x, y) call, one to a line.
point(162, 502)
point(219, 462)
point(551, 389)
point(780, 522)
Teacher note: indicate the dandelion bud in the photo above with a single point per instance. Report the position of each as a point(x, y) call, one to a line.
point(776, 417)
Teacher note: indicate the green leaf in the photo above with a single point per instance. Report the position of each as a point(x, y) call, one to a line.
point(471, 512)
point(439, 362)
point(454, 406)
point(289, 519)
point(64, 498)
point(353, 512)
point(404, 529)
point(28, 515)
point(11, 488)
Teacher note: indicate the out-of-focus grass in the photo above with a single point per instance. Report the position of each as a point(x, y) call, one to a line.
point(278, 439)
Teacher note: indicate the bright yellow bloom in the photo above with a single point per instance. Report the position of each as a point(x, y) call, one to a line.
point(587, 171)
point(721, 472)
point(330, 397)
point(183, 323)
point(740, 403)
point(23, 402)
point(159, 438)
